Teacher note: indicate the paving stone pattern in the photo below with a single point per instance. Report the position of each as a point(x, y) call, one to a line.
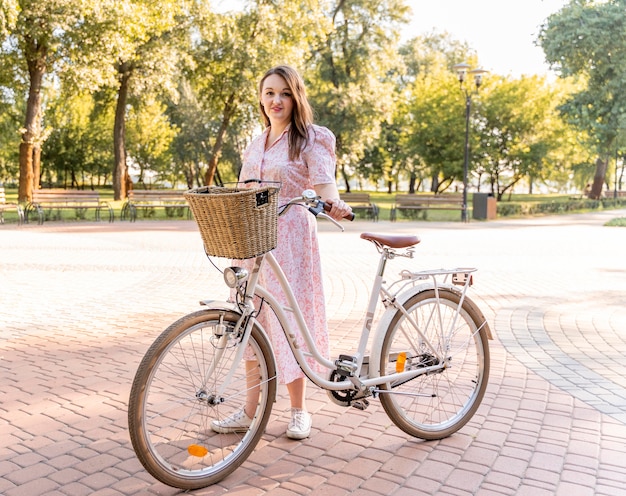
point(81, 302)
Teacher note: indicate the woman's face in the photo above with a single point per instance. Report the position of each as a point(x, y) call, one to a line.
point(277, 99)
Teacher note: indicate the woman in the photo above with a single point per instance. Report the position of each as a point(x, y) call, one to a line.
point(301, 155)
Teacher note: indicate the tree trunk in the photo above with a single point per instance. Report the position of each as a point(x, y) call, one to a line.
point(30, 145)
point(346, 178)
point(25, 190)
point(434, 183)
point(412, 181)
point(120, 170)
point(37, 165)
point(598, 179)
point(216, 151)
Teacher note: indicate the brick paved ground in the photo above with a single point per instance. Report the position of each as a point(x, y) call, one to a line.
point(80, 303)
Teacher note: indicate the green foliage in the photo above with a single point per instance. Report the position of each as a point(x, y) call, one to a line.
point(514, 132)
point(189, 146)
point(8, 16)
point(150, 136)
point(183, 78)
point(351, 86)
point(9, 140)
point(79, 148)
point(524, 209)
point(436, 128)
point(583, 40)
point(428, 53)
point(117, 36)
point(433, 124)
point(231, 52)
point(380, 159)
point(618, 222)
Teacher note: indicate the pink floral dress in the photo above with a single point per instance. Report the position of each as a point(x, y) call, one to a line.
point(297, 251)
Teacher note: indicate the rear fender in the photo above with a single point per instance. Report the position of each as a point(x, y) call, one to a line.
point(400, 300)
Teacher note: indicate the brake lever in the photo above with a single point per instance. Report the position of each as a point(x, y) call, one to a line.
point(326, 216)
point(316, 207)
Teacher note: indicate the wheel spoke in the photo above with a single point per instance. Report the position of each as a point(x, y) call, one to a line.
point(179, 390)
point(433, 331)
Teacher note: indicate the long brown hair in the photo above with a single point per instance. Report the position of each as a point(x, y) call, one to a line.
point(302, 115)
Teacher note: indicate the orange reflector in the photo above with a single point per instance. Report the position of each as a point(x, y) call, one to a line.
point(400, 361)
point(195, 450)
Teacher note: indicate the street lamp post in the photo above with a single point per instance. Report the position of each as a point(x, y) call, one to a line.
point(462, 72)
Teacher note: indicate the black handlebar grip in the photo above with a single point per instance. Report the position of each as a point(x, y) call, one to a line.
point(327, 208)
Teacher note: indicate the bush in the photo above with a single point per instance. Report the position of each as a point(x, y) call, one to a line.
point(619, 222)
point(517, 209)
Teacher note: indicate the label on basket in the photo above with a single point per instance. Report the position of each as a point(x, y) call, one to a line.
point(262, 198)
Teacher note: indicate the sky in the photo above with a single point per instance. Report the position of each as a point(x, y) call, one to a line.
point(502, 32)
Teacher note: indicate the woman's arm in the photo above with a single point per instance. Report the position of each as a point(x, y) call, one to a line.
point(330, 194)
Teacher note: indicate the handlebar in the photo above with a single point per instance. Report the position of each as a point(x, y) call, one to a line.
point(327, 207)
point(315, 205)
point(310, 199)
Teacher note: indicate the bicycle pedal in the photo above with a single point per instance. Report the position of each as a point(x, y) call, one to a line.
point(360, 404)
point(346, 365)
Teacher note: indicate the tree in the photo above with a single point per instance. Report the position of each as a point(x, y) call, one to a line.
point(426, 54)
point(514, 131)
point(189, 146)
point(569, 159)
point(150, 136)
point(584, 40)
point(35, 41)
point(9, 143)
point(384, 158)
point(79, 149)
point(235, 49)
point(437, 127)
point(138, 45)
point(350, 80)
point(11, 120)
point(435, 123)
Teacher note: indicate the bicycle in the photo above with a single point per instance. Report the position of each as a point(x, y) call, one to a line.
point(428, 364)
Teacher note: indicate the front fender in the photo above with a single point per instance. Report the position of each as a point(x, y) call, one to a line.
point(401, 299)
point(221, 305)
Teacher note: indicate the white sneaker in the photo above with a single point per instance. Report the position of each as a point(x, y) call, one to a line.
point(300, 425)
point(237, 422)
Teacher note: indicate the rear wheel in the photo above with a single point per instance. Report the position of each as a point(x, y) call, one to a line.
point(435, 405)
point(189, 378)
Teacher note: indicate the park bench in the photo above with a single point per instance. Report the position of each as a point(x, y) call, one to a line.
point(423, 203)
point(47, 201)
point(360, 202)
point(5, 206)
point(147, 200)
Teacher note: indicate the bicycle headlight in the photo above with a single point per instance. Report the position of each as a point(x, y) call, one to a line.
point(234, 276)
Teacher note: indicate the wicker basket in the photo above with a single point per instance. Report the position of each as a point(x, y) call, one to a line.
point(235, 222)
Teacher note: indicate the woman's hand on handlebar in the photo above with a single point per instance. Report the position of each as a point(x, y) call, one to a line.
point(330, 196)
point(339, 210)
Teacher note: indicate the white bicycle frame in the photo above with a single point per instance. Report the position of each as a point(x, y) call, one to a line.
point(393, 299)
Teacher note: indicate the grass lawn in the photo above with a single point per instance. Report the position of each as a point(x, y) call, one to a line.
point(384, 201)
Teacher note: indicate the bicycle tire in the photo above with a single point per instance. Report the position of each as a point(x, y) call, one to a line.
point(437, 404)
point(174, 398)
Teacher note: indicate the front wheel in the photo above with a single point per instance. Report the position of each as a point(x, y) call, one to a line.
point(434, 405)
point(191, 376)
